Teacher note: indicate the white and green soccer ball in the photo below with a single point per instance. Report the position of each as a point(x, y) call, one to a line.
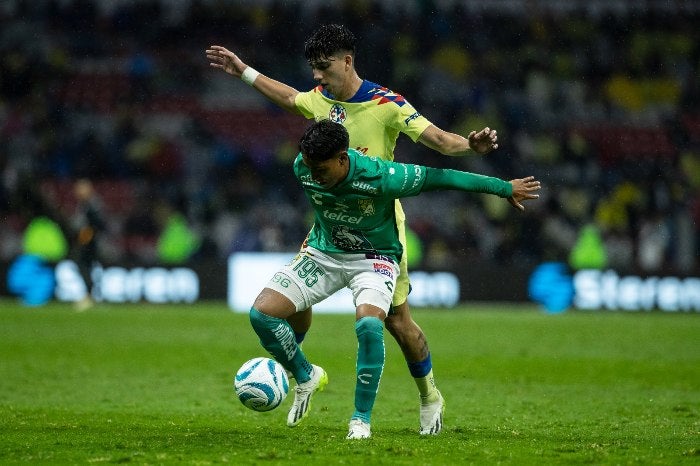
point(261, 384)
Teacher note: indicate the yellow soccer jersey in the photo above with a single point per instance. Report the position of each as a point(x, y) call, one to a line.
point(374, 117)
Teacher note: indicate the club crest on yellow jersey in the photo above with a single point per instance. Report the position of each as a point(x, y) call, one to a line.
point(337, 114)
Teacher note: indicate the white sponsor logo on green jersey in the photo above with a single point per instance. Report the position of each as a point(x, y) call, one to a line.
point(362, 186)
point(341, 217)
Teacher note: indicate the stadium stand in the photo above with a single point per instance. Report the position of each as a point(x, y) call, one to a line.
point(589, 96)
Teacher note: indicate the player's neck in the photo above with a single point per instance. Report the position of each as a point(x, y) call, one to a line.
point(350, 88)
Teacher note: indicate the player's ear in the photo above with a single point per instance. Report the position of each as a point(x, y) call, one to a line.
point(343, 157)
point(348, 61)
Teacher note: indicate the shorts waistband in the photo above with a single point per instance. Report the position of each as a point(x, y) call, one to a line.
point(380, 257)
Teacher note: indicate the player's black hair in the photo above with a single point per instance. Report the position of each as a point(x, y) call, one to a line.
point(324, 139)
point(328, 40)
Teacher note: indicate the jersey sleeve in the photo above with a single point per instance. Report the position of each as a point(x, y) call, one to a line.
point(441, 179)
point(304, 102)
point(403, 179)
point(410, 122)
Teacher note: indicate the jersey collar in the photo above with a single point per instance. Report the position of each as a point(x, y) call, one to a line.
point(364, 93)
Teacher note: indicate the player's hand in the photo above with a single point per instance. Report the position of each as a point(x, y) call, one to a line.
point(523, 189)
point(484, 141)
point(222, 58)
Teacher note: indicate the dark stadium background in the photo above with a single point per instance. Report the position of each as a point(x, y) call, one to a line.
point(600, 100)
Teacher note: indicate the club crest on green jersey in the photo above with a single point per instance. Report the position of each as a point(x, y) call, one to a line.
point(366, 206)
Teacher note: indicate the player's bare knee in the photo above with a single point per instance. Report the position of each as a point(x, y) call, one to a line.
point(273, 303)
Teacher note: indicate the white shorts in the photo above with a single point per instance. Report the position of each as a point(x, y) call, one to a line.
point(312, 276)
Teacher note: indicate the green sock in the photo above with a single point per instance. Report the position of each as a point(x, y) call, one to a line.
point(277, 337)
point(370, 363)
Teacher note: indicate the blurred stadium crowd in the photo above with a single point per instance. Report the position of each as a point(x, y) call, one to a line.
point(599, 100)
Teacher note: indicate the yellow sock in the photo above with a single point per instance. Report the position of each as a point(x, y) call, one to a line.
point(426, 388)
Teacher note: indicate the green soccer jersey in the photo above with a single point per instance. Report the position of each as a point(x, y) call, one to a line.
point(357, 215)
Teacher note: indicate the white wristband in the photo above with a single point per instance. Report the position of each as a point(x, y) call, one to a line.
point(248, 76)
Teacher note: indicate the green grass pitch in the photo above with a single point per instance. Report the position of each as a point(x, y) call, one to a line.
point(148, 384)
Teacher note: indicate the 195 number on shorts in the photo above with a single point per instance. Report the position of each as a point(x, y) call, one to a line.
point(308, 270)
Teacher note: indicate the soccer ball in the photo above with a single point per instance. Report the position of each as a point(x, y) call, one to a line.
point(261, 384)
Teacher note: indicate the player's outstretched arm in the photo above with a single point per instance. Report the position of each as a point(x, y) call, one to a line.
point(481, 142)
point(516, 191)
point(523, 190)
point(276, 91)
